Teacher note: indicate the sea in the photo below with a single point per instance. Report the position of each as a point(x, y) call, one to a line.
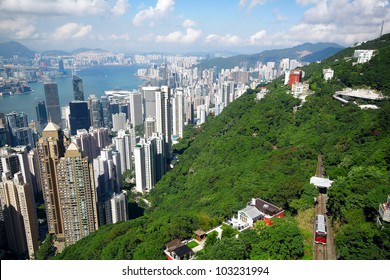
point(95, 80)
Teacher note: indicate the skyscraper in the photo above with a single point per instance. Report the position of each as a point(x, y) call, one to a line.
point(106, 111)
point(95, 108)
point(135, 103)
point(119, 122)
point(178, 114)
point(40, 108)
point(78, 88)
point(52, 102)
point(51, 148)
point(79, 116)
point(164, 116)
point(123, 146)
point(149, 98)
point(150, 127)
point(77, 195)
point(18, 209)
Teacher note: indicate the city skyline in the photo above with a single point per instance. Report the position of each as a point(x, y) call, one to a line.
point(245, 26)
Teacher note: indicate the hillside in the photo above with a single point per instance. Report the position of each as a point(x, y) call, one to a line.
point(9, 49)
point(313, 52)
point(261, 149)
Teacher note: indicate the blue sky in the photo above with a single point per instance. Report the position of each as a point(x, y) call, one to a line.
point(182, 25)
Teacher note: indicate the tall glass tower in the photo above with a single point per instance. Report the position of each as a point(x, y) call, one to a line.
point(52, 102)
point(78, 88)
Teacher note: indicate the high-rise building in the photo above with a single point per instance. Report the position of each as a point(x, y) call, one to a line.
point(106, 111)
point(78, 88)
point(295, 77)
point(150, 162)
point(135, 103)
point(40, 108)
point(52, 102)
point(20, 134)
point(79, 116)
point(50, 148)
point(119, 122)
point(15, 160)
point(3, 134)
point(150, 127)
point(95, 108)
point(18, 210)
point(123, 146)
point(106, 183)
point(178, 114)
point(119, 207)
point(77, 195)
point(149, 99)
point(33, 165)
point(164, 116)
point(65, 123)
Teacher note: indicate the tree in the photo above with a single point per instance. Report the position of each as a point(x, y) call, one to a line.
point(281, 241)
point(46, 250)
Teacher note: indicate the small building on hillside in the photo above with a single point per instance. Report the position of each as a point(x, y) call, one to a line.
point(328, 74)
point(363, 56)
point(384, 210)
point(259, 209)
point(176, 250)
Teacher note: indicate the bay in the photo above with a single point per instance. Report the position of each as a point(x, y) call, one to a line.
point(95, 79)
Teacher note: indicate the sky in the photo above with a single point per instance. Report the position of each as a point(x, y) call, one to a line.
point(245, 26)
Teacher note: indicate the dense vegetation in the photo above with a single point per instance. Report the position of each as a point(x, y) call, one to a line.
point(264, 149)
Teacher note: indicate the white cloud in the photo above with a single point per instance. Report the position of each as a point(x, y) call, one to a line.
point(162, 8)
point(19, 28)
point(252, 3)
point(227, 40)
point(190, 36)
point(72, 31)
point(120, 7)
point(257, 37)
point(188, 23)
point(306, 2)
point(122, 37)
point(55, 7)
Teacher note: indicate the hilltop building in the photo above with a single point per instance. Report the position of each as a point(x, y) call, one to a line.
point(363, 56)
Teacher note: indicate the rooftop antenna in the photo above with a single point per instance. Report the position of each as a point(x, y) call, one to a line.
point(383, 22)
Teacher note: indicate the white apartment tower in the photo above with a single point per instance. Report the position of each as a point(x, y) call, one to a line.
point(119, 121)
point(123, 146)
point(178, 113)
point(135, 106)
point(119, 207)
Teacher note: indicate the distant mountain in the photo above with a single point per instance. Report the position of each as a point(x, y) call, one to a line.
point(81, 50)
point(9, 49)
point(316, 51)
point(321, 55)
point(56, 53)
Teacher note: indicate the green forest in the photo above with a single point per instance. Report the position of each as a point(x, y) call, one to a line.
point(263, 149)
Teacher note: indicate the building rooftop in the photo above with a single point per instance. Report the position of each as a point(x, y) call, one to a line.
point(321, 182)
point(173, 245)
point(182, 251)
point(361, 93)
point(52, 127)
point(252, 212)
point(266, 207)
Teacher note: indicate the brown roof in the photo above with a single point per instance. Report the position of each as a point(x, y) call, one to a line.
point(266, 207)
point(173, 245)
point(199, 232)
